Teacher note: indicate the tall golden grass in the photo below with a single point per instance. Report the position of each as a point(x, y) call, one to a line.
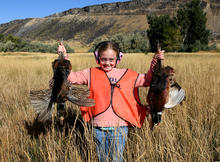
point(188, 132)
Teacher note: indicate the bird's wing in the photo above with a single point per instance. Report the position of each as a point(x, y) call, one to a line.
point(79, 96)
point(176, 96)
point(40, 100)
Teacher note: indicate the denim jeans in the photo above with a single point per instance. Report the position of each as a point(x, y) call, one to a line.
point(110, 143)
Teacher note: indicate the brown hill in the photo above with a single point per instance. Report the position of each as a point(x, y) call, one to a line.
point(85, 24)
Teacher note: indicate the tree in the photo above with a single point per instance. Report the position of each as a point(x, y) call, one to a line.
point(172, 39)
point(165, 30)
point(9, 46)
point(192, 22)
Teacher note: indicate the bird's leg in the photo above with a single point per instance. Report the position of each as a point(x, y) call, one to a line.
point(61, 112)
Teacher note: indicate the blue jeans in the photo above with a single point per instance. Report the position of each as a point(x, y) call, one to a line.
point(110, 143)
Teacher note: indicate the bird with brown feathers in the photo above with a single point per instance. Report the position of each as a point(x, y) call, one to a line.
point(164, 92)
point(61, 91)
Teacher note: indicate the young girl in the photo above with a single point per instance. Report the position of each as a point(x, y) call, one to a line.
point(115, 92)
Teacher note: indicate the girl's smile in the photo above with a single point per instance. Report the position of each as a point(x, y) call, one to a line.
point(108, 59)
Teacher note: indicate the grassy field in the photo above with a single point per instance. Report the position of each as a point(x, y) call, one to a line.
point(189, 132)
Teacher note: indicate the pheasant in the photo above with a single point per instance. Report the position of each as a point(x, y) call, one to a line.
point(164, 92)
point(43, 101)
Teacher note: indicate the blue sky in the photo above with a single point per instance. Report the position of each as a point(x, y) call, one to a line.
point(21, 9)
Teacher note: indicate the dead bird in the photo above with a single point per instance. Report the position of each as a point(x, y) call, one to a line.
point(158, 93)
point(164, 92)
point(61, 91)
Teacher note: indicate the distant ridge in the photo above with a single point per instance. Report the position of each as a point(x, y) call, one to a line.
point(85, 24)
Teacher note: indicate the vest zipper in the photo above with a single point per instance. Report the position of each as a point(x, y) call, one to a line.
point(112, 91)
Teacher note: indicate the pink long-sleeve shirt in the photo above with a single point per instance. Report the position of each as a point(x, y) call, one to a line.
point(109, 118)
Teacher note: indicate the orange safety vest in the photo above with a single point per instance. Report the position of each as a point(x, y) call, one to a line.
point(123, 96)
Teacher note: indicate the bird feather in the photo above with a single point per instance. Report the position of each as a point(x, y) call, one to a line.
point(43, 101)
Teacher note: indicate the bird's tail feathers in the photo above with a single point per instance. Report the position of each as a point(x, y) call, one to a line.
point(45, 115)
point(40, 100)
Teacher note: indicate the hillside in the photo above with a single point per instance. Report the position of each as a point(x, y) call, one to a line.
point(85, 24)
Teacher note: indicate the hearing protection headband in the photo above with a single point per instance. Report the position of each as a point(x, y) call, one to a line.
point(96, 52)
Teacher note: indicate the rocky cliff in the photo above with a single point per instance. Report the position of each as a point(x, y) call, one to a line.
point(85, 24)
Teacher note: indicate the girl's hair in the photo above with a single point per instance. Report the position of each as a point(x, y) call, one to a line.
point(107, 45)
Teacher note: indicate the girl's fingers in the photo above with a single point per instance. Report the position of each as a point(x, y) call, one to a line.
point(61, 48)
point(160, 56)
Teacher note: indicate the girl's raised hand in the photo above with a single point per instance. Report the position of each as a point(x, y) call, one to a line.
point(61, 48)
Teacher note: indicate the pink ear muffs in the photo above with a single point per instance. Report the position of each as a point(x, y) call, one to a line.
point(119, 58)
point(96, 54)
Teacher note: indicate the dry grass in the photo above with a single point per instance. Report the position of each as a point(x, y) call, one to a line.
point(187, 133)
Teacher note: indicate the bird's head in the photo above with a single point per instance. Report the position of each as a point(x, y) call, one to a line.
point(61, 67)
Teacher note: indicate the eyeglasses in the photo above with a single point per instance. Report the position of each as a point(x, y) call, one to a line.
point(107, 59)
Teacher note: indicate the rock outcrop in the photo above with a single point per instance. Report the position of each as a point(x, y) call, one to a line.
point(85, 24)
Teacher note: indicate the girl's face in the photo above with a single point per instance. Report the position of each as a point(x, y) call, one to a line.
point(108, 59)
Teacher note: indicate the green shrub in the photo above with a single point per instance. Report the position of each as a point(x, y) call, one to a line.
point(198, 46)
point(10, 43)
point(128, 42)
point(9, 46)
point(68, 48)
